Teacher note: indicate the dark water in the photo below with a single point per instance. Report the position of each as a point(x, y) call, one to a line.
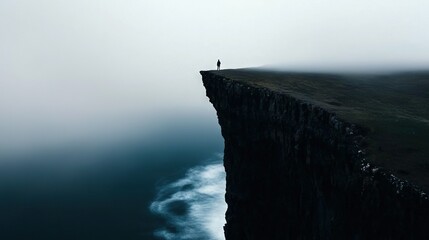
point(106, 191)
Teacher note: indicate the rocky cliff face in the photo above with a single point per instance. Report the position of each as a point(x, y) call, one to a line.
point(297, 171)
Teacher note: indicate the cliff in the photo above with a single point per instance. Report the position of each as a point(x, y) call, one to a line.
point(323, 156)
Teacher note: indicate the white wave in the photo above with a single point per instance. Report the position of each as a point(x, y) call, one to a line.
point(194, 206)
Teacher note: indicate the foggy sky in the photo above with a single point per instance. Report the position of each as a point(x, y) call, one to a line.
point(65, 65)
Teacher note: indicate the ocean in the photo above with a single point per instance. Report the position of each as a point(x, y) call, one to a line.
point(166, 183)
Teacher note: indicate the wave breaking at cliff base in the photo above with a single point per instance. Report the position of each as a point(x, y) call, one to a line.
point(194, 206)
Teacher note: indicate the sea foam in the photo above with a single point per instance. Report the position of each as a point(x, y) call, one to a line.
point(193, 206)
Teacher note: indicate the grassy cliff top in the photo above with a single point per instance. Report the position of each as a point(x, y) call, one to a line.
point(393, 107)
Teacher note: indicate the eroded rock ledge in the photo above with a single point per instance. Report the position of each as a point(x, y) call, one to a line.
point(296, 170)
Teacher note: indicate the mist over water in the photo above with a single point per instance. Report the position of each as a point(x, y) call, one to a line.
point(71, 70)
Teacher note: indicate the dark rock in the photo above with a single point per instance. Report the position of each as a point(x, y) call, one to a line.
point(295, 170)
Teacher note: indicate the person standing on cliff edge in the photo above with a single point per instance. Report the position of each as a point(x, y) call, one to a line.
point(218, 64)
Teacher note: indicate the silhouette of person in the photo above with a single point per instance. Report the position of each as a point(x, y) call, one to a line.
point(218, 64)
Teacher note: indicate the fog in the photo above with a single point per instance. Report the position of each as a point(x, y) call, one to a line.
point(74, 69)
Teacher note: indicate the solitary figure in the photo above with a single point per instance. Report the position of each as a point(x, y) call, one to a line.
point(218, 64)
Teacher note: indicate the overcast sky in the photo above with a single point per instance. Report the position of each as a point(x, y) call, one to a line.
point(66, 64)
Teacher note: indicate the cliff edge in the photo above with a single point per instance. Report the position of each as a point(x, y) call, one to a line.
point(324, 156)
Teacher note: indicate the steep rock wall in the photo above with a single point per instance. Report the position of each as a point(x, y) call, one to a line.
point(297, 171)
